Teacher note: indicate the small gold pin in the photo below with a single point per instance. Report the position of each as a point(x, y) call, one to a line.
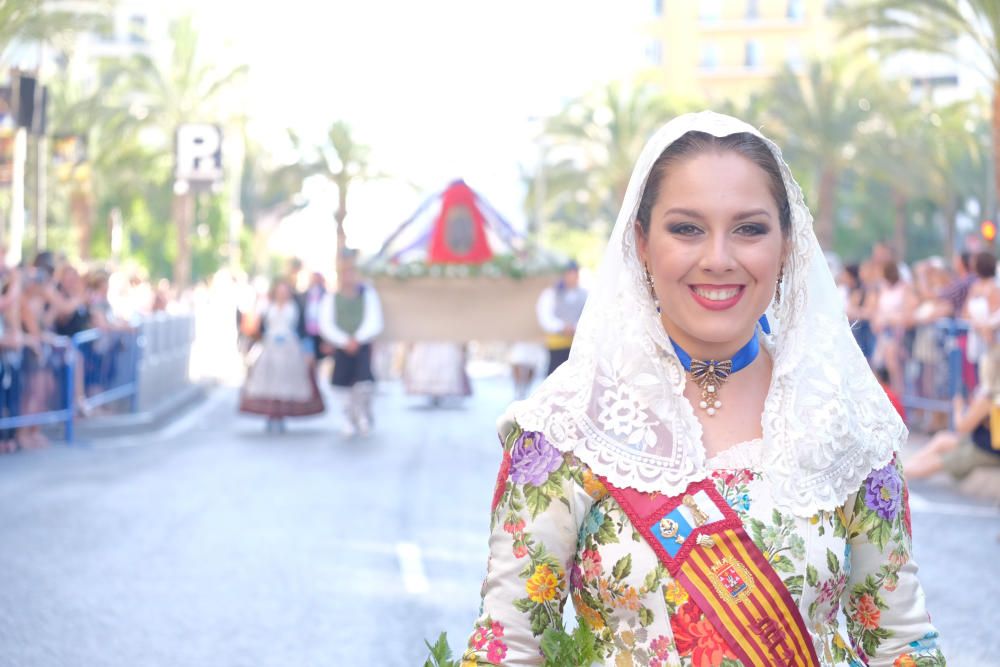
point(700, 518)
point(705, 541)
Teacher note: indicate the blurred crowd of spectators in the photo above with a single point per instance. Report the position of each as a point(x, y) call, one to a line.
point(931, 332)
point(43, 304)
point(906, 319)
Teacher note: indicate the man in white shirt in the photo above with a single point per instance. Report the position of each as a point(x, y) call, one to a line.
point(349, 319)
point(559, 308)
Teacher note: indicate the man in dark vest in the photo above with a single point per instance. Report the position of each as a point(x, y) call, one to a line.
point(349, 319)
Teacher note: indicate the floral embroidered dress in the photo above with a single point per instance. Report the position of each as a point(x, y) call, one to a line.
point(557, 533)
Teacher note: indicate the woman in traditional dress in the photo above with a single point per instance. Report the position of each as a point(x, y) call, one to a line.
point(711, 486)
point(280, 382)
point(436, 369)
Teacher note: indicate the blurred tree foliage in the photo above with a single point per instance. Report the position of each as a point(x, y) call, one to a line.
point(875, 161)
point(965, 30)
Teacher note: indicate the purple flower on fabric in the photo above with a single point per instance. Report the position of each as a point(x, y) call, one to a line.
point(576, 577)
point(533, 459)
point(884, 492)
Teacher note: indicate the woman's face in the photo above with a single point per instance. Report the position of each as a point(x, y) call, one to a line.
point(282, 293)
point(714, 250)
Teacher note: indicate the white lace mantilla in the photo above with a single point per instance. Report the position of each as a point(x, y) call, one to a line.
point(618, 402)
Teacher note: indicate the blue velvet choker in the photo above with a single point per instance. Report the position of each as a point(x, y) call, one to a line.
point(711, 375)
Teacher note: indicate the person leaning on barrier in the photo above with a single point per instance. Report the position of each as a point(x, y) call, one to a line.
point(70, 303)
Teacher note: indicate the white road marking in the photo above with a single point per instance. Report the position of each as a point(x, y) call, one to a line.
point(924, 506)
point(411, 564)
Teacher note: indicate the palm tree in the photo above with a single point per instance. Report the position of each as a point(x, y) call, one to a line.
point(186, 89)
point(938, 26)
point(269, 192)
point(41, 20)
point(591, 147)
point(818, 119)
point(117, 165)
point(956, 160)
point(343, 161)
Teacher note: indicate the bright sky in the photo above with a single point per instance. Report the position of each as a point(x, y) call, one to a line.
point(440, 89)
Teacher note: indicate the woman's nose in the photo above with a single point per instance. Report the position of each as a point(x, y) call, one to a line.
point(718, 255)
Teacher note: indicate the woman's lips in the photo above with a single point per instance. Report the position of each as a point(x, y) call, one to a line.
point(717, 297)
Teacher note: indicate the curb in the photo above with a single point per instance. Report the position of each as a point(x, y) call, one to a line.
point(145, 421)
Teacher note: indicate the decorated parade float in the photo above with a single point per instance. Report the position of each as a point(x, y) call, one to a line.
point(456, 270)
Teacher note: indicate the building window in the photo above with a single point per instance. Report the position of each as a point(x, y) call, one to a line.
point(654, 52)
point(793, 55)
point(796, 10)
point(753, 10)
point(137, 29)
point(709, 56)
point(751, 54)
point(657, 7)
point(710, 11)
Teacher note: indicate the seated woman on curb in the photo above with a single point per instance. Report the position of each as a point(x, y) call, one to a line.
point(964, 449)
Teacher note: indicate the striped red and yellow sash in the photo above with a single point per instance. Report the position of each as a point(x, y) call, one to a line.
point(702, 543)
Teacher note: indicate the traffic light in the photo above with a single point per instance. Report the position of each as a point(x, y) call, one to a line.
point(988, 229)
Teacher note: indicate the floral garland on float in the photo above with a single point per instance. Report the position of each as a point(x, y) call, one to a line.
point(456, 270)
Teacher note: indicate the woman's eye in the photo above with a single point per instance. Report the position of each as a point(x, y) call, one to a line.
point(684, 229)
point(753, 229)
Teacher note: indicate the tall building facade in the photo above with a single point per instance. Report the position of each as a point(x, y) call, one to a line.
point(725, 49)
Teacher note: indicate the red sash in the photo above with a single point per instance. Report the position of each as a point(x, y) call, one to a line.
point(701, 541)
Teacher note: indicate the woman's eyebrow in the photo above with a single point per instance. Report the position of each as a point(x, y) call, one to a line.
point(752, 213)
point(691, 213)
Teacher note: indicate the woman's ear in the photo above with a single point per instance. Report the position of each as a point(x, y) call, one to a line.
point(641, 243)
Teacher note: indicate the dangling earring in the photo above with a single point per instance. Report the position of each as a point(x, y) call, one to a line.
point(777, 287)
point(652, 290)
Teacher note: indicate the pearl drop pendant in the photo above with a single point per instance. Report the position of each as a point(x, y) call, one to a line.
point(711, 412)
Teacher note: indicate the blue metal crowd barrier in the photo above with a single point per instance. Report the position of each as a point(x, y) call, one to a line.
point(110, 365)
point(39, 385)
point(931, 384)
point(36, 386)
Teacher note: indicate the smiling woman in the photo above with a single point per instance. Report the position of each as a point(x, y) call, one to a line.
point(719, 481)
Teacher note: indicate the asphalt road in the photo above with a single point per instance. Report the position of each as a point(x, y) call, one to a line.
point(216, 544)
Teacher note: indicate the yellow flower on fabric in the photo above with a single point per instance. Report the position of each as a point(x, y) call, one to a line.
point(589, 615)
point(543, 584)
point(470, 662)
point(629, 599)
point(674, 593)
point(593, 486)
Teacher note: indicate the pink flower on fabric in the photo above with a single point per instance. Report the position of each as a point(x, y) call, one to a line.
point(497, 628)
point(661, 647)
point(496, 652)
point(867, 613)
point(591, 563)
point(533, 459)
point(479, 638)
point(513, 526)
